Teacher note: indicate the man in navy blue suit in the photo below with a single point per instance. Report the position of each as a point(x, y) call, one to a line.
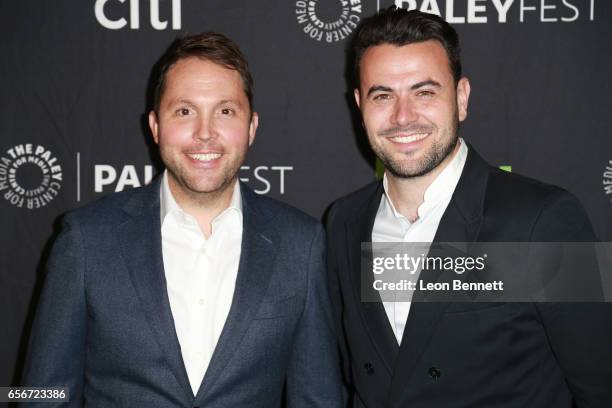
point(192, 291)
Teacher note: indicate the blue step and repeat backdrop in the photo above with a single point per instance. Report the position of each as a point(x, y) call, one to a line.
point(74, 78)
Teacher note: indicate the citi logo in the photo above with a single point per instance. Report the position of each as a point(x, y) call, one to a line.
point(122, 15)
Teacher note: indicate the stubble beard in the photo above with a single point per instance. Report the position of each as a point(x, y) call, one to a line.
point(404, 168)
point(188, 184)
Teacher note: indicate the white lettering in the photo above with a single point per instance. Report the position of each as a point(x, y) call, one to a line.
point(148, 174)
point(176, 14)
point(282, 169)
point(524, 8)
point(156, 23)
point(450, 18)
point(474, 8)
point(263, 180)
point(377, 265)
point(244, 179)
point(431, 7)
point(134, 14)
point(103, 176)
point(105, 21)
point(576, 13)
point(543, 8)
point(128, 177)
point(502, 9)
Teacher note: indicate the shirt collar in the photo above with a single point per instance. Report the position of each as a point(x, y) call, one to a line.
point(442, 187)
point(169, 205)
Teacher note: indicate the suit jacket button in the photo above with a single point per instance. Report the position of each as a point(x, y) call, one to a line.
point(369, 368)
point(434, 372)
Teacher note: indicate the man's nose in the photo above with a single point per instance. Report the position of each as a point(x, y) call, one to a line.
point(204, 130)
point(404, 111)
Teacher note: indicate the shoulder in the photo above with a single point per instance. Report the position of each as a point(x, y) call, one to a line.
point(553, 212)
point(353, 203)
point(283, 216)
point(114, 207)
point(520, 189)
point(522, 193)
point(297, 236)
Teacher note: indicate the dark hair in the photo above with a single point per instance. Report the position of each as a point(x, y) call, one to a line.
point(211, 46)
point(399, 27)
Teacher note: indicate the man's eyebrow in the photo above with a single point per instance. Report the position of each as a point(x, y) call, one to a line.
point(378, 88)
point(235, 102)
point(224, 101)
point(383, 88)
point(180, 101)
point(427, 82)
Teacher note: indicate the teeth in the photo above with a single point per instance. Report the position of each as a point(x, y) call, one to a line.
point(205, 157)
point(409, 139)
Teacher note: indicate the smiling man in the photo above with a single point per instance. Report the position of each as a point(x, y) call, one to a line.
point(436, 188)
point(192, 291)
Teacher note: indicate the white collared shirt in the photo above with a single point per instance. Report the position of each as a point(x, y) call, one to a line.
point(200, 275)
point(391, 226)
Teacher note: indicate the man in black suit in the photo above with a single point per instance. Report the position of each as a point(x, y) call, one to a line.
point(436, 188)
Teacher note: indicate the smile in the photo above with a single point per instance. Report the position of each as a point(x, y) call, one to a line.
point(205, 157)
point(409, 139)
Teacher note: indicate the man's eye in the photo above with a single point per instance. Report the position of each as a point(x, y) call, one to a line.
point(425, 93)
point(183, 112)
point(227, 111)
point(382, 97)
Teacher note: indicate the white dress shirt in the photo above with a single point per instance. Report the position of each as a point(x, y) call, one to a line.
point(391, 226)
point(200, 275)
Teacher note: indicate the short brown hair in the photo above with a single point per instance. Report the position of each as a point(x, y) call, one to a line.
point(211, 46)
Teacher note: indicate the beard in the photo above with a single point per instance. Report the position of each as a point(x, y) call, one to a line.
point(407, 167)
point(200, 186)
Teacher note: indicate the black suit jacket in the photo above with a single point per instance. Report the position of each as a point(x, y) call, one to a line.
point(472, 354)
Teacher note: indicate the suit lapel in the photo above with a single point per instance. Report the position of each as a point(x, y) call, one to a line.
point(375, 318)
point(259, 241)
point(140, 240)
point(453, 228)
point(460, 223)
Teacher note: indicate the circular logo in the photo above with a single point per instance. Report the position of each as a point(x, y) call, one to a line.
point(30, 176)
point(329, 21)
point(607, 180)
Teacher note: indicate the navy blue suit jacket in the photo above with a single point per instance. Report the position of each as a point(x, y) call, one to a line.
point(104, 327)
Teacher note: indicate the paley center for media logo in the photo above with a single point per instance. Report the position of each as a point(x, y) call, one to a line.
point(328, 20)
point(500, 11)
point(30, 176)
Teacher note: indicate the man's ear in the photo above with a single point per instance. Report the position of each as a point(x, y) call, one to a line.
point(357, 97)
point(463, 95)
point(153, 125)
point(253, 127)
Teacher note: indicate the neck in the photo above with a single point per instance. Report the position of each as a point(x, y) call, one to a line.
point(408, 193)
point(204, 207)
